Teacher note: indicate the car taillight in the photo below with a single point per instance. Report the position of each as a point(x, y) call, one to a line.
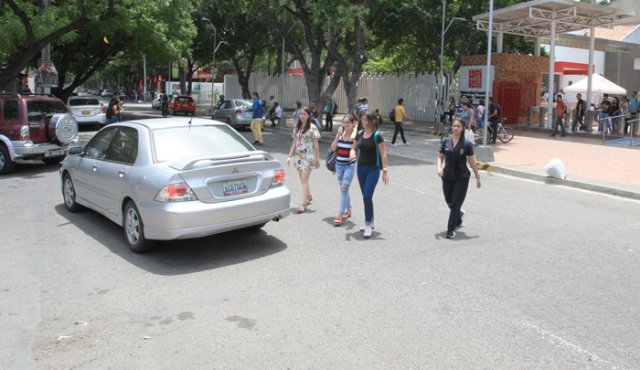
point(24, 133)
point(278, 178)
point(179, 192)
point(238, 111)
point(104, 109)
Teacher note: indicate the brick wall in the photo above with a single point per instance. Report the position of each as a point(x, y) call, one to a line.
point(513, 71)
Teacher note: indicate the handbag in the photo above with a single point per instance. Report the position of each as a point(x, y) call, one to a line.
point(330, 160)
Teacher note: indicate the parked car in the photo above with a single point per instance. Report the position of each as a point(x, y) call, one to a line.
point(106, 93)
point(174, 178)
point(87, 110)
point(235, 112)
point(34, 127)
point(182, 104)
point(156, 103)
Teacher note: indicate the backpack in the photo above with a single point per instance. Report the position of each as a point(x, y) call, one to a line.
point(109, 112)
point(392, 114)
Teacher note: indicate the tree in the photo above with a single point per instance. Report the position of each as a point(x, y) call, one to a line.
point(156, 29)
point(244, 33)
point(28, 29)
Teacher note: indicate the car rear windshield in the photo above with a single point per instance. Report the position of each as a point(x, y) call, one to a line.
point(87, 101)
point(172, 144)
point(37, 110)
point(185, 99)
point(243, 103)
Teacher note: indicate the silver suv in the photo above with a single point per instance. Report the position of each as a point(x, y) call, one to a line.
point(34, 127)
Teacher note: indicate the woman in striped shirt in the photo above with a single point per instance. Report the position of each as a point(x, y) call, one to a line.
point(345, 165)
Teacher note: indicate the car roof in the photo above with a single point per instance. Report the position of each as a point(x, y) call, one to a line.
point(160, 123)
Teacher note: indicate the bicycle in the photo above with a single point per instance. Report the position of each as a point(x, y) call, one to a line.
point(505, 133)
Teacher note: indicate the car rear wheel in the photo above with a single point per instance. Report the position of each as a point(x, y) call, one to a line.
point(52, 160)
point(134, 229)
point(6, 164)
point(69, 194)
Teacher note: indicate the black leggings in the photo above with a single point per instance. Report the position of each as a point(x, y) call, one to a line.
point(399, 129)
point(454, 193)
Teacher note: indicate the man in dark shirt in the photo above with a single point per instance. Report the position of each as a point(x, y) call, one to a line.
point(494, 116)
point(605, 107)
point(580, 110)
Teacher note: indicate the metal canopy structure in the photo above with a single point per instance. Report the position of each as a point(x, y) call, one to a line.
point(547, 18)
point(534, 18)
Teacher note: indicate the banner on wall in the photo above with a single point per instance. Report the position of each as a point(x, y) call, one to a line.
point(473, 82)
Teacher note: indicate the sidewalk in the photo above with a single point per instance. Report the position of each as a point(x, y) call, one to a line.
point(589, 164)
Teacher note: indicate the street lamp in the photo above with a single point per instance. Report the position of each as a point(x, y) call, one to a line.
point(444, 31)
point(213, 63)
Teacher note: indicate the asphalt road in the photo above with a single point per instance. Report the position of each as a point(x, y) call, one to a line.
point(541, 276)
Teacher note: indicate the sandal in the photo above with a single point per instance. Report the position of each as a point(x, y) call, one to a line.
point(337, 221)
point(302, 208)
point(346, 214)
point(309, 199)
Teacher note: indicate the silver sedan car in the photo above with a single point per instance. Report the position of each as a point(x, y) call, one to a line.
point(164, 179)
point(235, 112)
point(87, 110)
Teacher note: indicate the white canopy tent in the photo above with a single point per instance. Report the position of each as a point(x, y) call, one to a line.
point(599, 85)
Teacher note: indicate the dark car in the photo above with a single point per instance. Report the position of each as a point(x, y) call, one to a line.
point(34, 127)
point(182, 104)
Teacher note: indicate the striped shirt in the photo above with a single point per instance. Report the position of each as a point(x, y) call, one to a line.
point(343, 151)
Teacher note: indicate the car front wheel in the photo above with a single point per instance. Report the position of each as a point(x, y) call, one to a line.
point(6, 164)
point(69, 194)
point(134, 229)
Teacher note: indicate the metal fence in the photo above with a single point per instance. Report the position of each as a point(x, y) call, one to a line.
point(382, 91)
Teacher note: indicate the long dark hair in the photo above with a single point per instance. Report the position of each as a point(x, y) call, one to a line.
point(373, 119)
point(302, 127)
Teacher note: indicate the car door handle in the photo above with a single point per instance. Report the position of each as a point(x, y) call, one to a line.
point(95, 167)
point(122, 173)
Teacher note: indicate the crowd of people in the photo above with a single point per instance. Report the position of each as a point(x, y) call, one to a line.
point(612, 112)
point(360, 152)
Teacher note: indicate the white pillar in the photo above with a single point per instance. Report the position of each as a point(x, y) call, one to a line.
point(552, 64)
point(500, 42)
point(536, 50)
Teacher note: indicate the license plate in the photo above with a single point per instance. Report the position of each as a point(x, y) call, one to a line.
point(55, 153)
point(234, 188)
point(86, 112)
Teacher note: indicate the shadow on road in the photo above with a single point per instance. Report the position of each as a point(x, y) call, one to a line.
point(180, 256)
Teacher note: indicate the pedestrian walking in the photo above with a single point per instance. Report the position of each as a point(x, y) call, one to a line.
point(605, 109)
point(256, 122)
point(305, 150)
point(329, 111)
point(561, 109)
point(480, 113)
point(455, 153)
point(400, 114)
point(165, 105)
point(579, 117)
point(494, 117)
point(342, 145)
point(633, 111)
point(468, 115)
point(372, 158)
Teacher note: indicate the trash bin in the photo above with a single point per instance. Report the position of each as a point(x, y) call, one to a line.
point(542, 113)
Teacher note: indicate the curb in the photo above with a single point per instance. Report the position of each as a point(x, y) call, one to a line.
point(578, 183)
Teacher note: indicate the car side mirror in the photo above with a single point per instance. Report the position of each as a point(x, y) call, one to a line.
point(74, 150)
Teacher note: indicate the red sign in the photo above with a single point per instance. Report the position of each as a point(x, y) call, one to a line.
point(475, 78)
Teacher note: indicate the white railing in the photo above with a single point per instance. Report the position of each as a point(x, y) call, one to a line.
point(382, 91)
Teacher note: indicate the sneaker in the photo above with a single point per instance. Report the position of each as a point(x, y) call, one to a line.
point(407, 143)
point(367, 231)
point(373, 227)
point(393, 144)
point(451, 234)
point(459, 223)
